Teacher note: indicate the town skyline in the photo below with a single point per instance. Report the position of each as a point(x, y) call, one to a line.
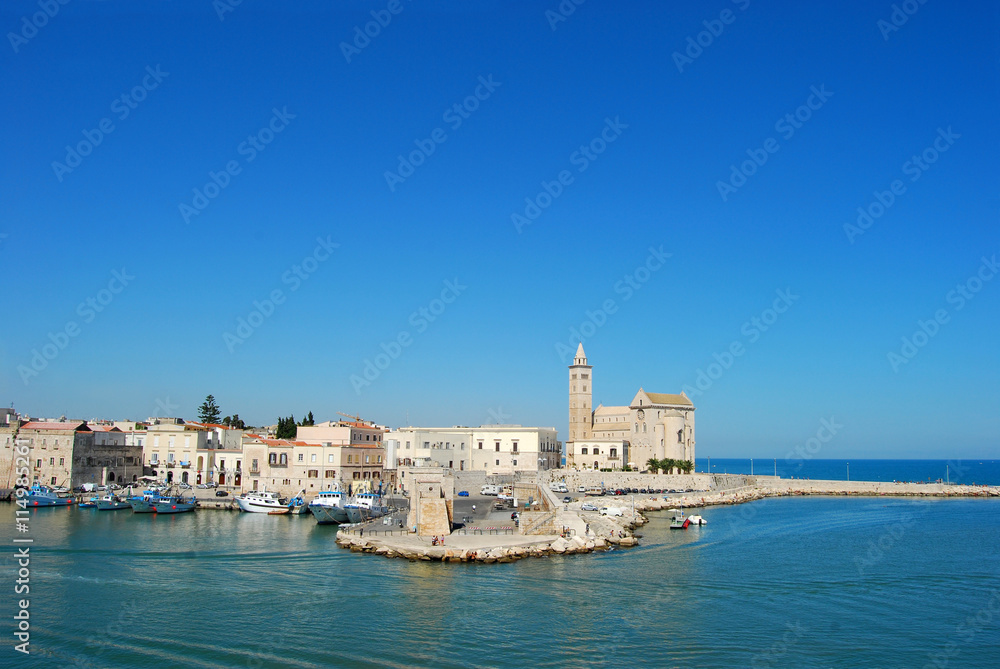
point(419, 224)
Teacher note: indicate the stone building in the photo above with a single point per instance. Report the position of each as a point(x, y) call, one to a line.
point(652, 425)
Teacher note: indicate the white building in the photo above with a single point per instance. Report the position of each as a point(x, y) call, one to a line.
point(494, 449)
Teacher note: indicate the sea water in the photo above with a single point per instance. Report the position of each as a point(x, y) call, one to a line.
point(782, 582)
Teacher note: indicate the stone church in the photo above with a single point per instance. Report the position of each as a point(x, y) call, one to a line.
point(653, 425)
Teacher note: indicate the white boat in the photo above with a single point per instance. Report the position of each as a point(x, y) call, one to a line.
point(328, 508)
point(365, 506)
point(261, 501)
point(697, 520)
point(40, 495)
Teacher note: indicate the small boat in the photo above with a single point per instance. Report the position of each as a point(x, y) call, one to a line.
point(679, 521)
point(89, 504)
point(328, 509)
point(297, 506)
point(112, 503)
point(40, 495)
point(261, 501)
point(697, 520)
point(174, 505)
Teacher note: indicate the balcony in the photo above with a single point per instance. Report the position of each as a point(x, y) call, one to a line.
point(185, 465)
point(254, 471)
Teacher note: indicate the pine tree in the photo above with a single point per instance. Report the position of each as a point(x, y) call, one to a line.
point(208, 412)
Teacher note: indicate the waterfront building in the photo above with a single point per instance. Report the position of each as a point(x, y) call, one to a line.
point(170, 447)
point(221, 459)
point(70, 452)
point(652, 425)
point(494, 449)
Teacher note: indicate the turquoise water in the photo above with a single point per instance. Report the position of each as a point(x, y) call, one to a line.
point(804, 582)
point(979, 472)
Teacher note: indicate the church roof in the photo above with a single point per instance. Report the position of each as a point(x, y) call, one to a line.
point(579, 351)
point(666, 398)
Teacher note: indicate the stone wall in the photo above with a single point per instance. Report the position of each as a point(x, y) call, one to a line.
point(613, 480)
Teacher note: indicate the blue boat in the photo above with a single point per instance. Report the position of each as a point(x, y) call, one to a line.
point(328, 509)
point(40, 495)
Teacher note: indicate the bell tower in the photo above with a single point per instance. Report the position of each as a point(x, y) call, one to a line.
point(581, 388)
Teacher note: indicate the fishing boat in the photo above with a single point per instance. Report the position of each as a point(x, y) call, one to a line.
point(40, 495)
point(328, 509)
point(112, 502)
point(262, 501)
point(89, 504)
point(365, 506)
point(297, 506)
point(144, 503)
point(679, 521)
point(697, 520)
point(174, 505)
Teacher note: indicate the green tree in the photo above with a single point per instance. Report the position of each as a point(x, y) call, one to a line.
point(208, 412)
point(653, 464)
point(669, 464)
point(308, 420)
point(687, 466)
point(236, 423)
point(286, 428)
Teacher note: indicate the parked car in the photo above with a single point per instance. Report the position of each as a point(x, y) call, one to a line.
point(611, 511)
point(463, 493)
point(184, 486)
point(221, 493)
point(211, 484)
point(567, 500)
point(588, 507)
point(582, 489)
point(203, 486)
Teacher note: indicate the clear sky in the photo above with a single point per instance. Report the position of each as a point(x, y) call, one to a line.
point(169, 168)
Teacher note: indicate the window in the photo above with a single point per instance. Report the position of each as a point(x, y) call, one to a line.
point(614, 452)
point(330, 473)
point(38, 464)
point(583, 451)
point(156, 441)
point(368, 459)
point(515, 447)
point(62, 461)
point(380, 459)
point(254, 466)
point(302, 457)
point(679, 435)
point(272, 459)
point(53, 481)
point(515, 463)
point(480, 445)
point(596, 451)
point(170, 442)
point(643, 428)
point(312, 458)
point(155, 458)
point(585, 387)
point(497, 446)
point(451, 464)
point(498, 462)
point(357, 475)
point(313, 474)
point(330, 458)
point(407, 445)
point(283, 459)
point(585, 376)
point(170, 457)
point(52, 461)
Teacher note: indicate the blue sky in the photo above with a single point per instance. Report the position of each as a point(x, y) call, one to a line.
point(329, 130)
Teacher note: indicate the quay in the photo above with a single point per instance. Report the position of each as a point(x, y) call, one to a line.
point(579, 531)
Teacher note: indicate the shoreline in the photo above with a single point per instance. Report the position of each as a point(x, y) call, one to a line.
point(588, 532)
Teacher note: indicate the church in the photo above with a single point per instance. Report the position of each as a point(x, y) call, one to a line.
point(653, 425)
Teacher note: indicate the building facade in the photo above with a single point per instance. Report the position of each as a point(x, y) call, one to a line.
point(652, 425)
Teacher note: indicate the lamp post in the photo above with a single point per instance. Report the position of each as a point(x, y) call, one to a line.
point(751, 466)
point(848, 471)
point(710, 464)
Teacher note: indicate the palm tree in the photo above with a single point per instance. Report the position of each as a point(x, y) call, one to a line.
point(653, 464)
point(686, 466)
point(668, 464)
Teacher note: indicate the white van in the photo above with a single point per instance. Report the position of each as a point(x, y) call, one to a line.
point(612, 511)
point(558, 487)
point(489, 490)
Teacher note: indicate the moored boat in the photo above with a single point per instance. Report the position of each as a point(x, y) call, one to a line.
point(365, 506)
point(144, 503)
point(297, 506)
point(112, 503)
point(328, 509)
point(262, 501)
point(40, 495)
point(89, 504)
point(174, 505)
